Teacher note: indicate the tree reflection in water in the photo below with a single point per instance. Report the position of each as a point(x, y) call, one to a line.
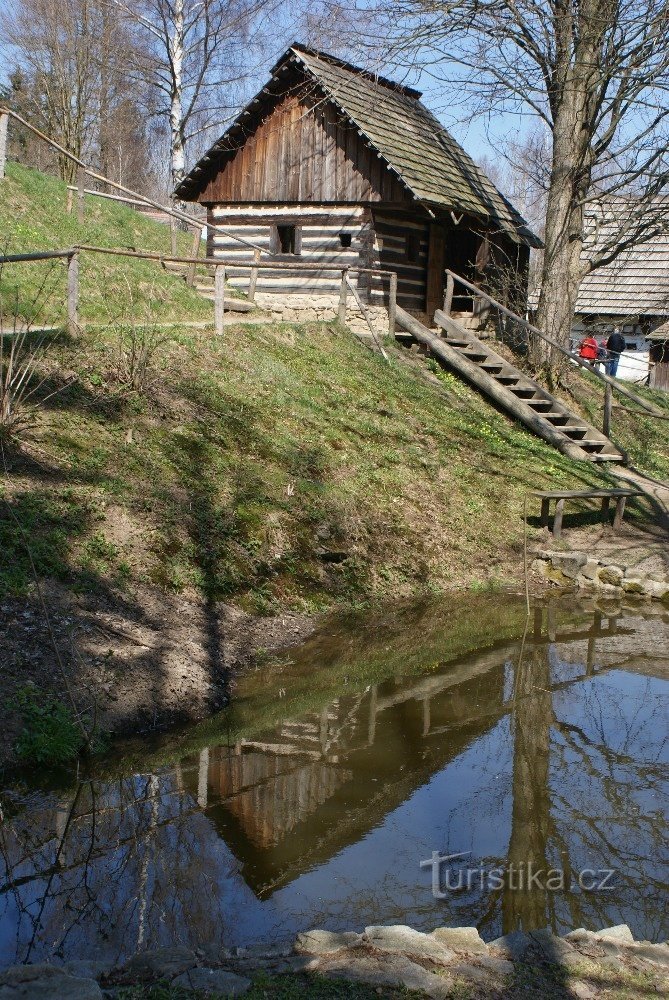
point(547, 750)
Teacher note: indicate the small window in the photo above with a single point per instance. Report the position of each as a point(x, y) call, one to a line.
point(287, 240)
point(413, 246)
point(345, 239)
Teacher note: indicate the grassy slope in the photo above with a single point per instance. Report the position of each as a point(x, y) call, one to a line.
point(33, 216)
point(645, 438)
point(274, 466)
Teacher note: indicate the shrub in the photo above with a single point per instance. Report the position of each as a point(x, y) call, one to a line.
point(50, 734)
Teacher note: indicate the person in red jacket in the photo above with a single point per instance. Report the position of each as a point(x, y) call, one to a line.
point(588, 349)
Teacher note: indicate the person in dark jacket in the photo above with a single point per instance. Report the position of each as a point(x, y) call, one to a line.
point(615, 346)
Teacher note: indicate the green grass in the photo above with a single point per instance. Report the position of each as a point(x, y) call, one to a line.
point(33, 216)
point(644, 437)
point(276, 467)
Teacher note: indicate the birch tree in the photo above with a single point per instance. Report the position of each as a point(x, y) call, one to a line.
point(196, 56)
point(594, 74)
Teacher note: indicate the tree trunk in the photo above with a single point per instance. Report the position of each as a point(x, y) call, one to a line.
point(562, 268)
point(177, 153)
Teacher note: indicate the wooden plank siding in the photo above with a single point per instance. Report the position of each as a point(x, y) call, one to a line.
point(303, 151)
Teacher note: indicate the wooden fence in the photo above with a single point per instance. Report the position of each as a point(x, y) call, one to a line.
point(72, 255)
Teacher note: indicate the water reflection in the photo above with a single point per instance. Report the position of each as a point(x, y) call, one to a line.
point(547, 748)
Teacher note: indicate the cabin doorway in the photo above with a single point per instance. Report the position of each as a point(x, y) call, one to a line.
point(462, 251)
point(659, 365)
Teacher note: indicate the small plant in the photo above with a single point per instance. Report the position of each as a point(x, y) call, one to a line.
point(138, 341)
point(50, 734)
point(20, 355)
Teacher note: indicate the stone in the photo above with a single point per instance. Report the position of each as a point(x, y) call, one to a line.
point(219, 981)
point(500, 966)
point(399, 937)
point(387, 970)
point(589, 569)
point(621, 934)
point(319, 942)
point(658, 591)
point(611, 575)
point(161, 963)
point(658, 954)
point(87, 968)
point(513, 946)
point(581, 989)
point(634, 585)
point(540, 566)
point(558, 951)
point(45, 982)
point(569, 563)
point(471, 972)
point(461, 939)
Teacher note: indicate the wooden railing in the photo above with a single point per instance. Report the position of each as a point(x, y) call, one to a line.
point(219, 265)
point(610, 384)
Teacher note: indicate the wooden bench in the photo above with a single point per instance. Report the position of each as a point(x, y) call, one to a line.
point(620, 496)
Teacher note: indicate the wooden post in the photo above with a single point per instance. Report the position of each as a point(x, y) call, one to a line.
point(545, 511)
point(557, 520)
point(608, 404)
point(343, 292)
point(73, 294)
point(392, 305)
point(81, 182)
point(448, 297)
point(173, 235)
point(219, 298)
point(619, 514)
point(4, 125)
point(197, 240)
point(253, 280)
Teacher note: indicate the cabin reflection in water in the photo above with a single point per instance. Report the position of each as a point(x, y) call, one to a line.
point(542, 748)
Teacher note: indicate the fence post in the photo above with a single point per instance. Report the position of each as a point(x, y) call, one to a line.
point(448, 297)
point(608, 404)
point(73, 294)
point(173, 235)
point(81, 183)
point(4, 125)
point(343, 292)
point(197, 240)
point(219, 298)
point(392, 305)
point(253, 280)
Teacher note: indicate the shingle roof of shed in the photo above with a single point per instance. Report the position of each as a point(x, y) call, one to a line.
point(432, 165)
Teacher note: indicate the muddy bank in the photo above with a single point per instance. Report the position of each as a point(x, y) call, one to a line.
point(141, 661)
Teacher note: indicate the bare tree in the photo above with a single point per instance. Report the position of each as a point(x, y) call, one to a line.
point(70, 80)
point(594, 74)
point(196, 56)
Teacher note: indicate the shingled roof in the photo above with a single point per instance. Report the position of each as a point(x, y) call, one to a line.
point(430, 163)
point(636, 283)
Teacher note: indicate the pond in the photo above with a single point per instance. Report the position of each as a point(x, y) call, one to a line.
point(419, 765)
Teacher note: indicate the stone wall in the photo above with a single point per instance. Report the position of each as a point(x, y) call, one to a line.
point(581, 570)
point(322, 309)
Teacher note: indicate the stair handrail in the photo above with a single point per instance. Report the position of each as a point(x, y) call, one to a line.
point(613, 383)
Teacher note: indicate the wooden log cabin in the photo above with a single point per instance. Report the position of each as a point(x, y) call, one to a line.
point(330, 164)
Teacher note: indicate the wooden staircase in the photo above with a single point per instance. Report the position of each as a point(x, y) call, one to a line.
point(512, 390)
